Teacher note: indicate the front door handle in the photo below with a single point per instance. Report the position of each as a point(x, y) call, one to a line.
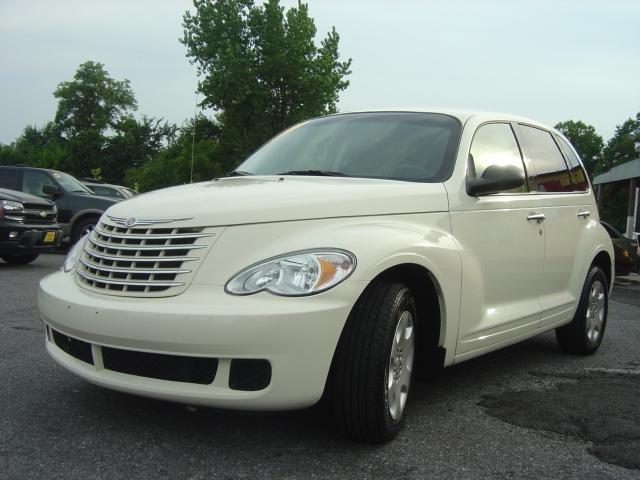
point(584, 213)
point(538, 217)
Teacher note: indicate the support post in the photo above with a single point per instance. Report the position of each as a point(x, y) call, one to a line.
point(632, 208)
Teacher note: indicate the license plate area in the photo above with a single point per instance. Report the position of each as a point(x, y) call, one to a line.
point(49, 237)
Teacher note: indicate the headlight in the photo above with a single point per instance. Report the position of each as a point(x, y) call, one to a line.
point(9, 208)
point(295, 274)
point(74, 254)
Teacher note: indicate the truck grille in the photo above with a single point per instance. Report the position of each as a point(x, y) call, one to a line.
point(141, 261)
point(39, 214)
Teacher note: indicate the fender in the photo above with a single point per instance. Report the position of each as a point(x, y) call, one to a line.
point(68, 228)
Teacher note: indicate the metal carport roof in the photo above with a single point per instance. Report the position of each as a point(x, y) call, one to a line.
point(624, 171)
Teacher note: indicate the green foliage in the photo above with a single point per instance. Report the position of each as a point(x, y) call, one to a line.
point(586, 141)
point(172, 166)
point(92, 101)
point(39, 148)
point(261, 70)
point(133, 144)
point(90, 107)
point(620, 148)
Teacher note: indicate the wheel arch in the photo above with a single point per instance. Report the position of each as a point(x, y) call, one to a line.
point(603, 260)
point(431, 306)
point(82, 215)
point(430, 334)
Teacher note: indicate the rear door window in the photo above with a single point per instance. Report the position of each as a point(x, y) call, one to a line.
point(577, 173)
point(106, 192)
point(552, 174)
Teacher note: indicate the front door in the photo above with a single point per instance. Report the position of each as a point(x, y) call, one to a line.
point(502, 246)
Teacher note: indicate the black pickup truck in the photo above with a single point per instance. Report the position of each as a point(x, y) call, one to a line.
point(28, 226)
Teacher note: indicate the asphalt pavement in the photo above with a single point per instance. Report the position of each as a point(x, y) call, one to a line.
point(527, 411)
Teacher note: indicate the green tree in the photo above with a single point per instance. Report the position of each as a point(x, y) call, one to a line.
point(621, 147)
point(586, 141)
point(36, 147)
point(133, 144)
point(261, 70)
point(172, 165)
point(89, 107)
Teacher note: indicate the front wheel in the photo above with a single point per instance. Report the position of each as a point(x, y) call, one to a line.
point(19, 258)
point(82, 228)
point(584, 334)
point(373, 367)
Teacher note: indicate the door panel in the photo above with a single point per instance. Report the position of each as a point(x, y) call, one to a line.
point(502, 265)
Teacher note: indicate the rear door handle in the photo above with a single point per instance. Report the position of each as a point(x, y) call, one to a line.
point(538, 217)
point(584, 213)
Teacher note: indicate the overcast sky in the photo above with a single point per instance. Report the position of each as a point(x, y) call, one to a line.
point(548, 60)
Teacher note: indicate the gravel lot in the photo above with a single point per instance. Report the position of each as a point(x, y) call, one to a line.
point(527, 411)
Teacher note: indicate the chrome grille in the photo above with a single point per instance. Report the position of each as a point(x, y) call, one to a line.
point(141, 261)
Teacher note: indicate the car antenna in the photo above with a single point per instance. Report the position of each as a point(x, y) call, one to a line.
point(193, 137)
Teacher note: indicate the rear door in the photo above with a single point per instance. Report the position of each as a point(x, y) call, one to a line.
point(564, 200)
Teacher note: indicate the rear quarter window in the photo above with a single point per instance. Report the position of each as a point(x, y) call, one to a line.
point(576, 171)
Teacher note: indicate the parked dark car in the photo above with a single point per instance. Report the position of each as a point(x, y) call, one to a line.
point(28, 227)
point(78, 207)
point(108, 189)
point(626, 251)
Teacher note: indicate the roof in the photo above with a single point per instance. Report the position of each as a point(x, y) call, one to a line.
point(624, 171)
point(462, 115)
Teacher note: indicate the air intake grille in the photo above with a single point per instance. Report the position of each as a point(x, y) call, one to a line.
point(141, 261)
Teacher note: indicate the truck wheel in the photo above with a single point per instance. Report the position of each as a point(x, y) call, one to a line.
point(373, 367)
point(19, 258)
point(584, 334)
point(82, 228)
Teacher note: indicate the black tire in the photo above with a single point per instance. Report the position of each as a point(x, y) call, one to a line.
point(19, 258)
point(80, 228)
point(583, 336)
point(361, 366)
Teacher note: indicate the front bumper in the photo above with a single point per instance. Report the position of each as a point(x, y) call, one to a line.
point(26, 238)
point(297, 336)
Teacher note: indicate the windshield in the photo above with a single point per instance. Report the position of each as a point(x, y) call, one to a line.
point(400, 146)
point(69, 183)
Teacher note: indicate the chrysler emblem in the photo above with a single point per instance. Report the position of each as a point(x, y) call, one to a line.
point(130, 222)
point(43, 214)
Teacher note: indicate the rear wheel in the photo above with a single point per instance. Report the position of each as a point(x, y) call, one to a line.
point(19, 258)
point(584, 334)
point(373, 368)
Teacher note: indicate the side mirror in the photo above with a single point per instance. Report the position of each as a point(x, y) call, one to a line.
point(496, 179)
point(50, 190)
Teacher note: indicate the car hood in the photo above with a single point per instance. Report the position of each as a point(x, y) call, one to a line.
point(90, 200)
point(21, 197)
point(244, 200)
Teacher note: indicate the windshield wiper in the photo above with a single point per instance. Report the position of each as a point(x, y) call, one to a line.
point(314, 173)
point(238, 173)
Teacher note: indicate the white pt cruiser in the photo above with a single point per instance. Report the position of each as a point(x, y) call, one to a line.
point(344, 257)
